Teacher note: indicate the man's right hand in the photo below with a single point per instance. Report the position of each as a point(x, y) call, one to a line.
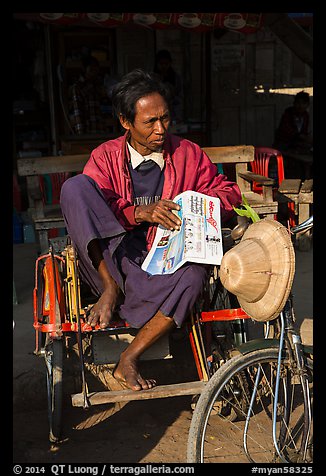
point(159, 212)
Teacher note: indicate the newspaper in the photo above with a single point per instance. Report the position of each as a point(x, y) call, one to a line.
point(199, 239)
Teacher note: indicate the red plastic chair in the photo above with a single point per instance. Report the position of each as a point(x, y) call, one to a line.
point(269, 163)
point(50, 185)
point(261, 165)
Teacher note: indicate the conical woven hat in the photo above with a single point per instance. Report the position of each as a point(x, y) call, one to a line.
point(260, 269)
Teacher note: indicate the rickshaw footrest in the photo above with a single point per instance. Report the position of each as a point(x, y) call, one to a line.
point(160, 391)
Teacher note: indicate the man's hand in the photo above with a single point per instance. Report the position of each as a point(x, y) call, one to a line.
point(159, 212)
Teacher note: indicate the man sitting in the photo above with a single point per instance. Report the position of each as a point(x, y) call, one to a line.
point(112, 210)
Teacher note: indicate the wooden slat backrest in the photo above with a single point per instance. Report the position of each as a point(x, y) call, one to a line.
point(52, 164)
point(75, 163)
point(240, 155)
point(230, 154)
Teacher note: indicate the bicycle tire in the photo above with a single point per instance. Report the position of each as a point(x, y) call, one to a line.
point(54, 382)
point(217, 439)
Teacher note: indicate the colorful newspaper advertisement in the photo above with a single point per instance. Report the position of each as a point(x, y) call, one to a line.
point(199, 239)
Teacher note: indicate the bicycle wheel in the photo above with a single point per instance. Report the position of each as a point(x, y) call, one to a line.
point(53, 354)
point(214, 437)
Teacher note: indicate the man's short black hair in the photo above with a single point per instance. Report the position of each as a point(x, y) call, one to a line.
point(89, 60)
point(134, 86)
point(163, 54)
point(302, 96)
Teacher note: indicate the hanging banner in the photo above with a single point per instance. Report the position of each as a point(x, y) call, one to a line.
point(201, 22)
point(60, 18)
point(153, 20)
point(107, 19)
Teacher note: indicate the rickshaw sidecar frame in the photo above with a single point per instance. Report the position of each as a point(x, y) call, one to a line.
point(60, 313)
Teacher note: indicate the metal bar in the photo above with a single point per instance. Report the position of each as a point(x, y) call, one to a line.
point(49, 69)
point(194, 352)
point(58, 324)
point(201, 357)
point(86, 403)
point(202, 345)
point(224, 315)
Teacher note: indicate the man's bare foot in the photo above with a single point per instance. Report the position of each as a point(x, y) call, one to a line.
point(127, 373)
point(103, 309)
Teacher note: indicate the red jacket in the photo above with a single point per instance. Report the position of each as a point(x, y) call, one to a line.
point(187, 167)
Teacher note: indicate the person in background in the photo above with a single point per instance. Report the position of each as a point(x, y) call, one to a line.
point(163, 67)
point(293, 134)
point(293, 130)
point(113, 208)
point(86, 96)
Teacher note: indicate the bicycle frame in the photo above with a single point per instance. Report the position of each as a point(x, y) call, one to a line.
point(293, 342)
point(48, 301)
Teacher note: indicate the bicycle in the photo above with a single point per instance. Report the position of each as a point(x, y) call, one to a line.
point(257, 407)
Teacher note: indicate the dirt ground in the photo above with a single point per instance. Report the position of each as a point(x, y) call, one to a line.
point(151, 431)
point(137, 432)
point(133, 432)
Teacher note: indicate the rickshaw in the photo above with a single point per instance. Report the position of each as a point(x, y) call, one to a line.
point(216, 326)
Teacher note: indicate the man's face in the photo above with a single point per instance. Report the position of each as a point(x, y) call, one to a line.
point(150, 126)
point(300, 106)
point(163, 65)
point(92, 71)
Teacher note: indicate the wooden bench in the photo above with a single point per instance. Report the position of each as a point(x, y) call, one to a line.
point(47, 217)
point(301, 194)
point(241, 156)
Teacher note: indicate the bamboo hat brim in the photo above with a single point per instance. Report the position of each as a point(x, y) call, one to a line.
point(260, 269)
